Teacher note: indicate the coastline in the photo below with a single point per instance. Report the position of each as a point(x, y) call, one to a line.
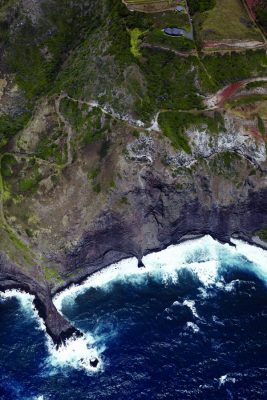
point(161, 265)
point(70, 331)
point(84, 275)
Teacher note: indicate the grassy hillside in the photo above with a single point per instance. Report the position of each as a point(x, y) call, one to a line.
point(225, 19)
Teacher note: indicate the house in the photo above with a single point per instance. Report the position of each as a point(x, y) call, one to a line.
point(179, 8)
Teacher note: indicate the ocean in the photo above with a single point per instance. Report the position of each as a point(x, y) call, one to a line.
point(192, 324)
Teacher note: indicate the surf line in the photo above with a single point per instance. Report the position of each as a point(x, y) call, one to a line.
point(201, 256)
point(75, 352)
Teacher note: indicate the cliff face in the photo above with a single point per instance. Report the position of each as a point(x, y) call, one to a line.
point(108, 153)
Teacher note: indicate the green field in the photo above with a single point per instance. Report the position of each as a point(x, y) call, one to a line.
point(227, 20)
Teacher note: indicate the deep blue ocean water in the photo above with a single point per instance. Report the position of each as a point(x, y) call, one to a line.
point(198, 331)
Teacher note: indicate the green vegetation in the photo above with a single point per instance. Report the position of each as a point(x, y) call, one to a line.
point(262, 234)
point(50, 148)
point(158, 38)
point(19, 244)
point(261, 13)
point(8, 161)
point(88, 124)
point(135, 35)
point(200, 5)
point(225, 164)
point(156, 79)
point(169, 19)
point(261, 126)
point(29, 232)
point(240, 101)
point(256, 84)
point(170, 125)
point(97, 188)
point(36, 57)
point(92, 175)
point(10, 126)
point(21, 178)
point(29, 184)
point(174, 125)
point(51, 274)
point(234, 67)
point(170, 83)
point(113, 184)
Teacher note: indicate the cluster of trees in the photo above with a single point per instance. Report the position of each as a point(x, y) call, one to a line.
point(200, 5)
point(261, 13)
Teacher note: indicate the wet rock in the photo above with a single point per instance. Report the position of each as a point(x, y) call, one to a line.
point(94, 362)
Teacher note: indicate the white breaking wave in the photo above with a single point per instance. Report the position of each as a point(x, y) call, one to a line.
point(125, 270)
point(202, 257)
point(188, 303)
point(194, 327)
point(76, 353)
point(25, 299)
point(256, 255)
point(199, 255)
point(26, 302)
point(191, 305)
point(225, 378)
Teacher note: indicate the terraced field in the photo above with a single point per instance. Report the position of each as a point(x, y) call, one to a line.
point(150, 5)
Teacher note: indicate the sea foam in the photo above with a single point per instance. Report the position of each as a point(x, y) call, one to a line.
point(256, 255)
point(25, 299)
point(201, 256)
point(75, 353)
point(26, 303)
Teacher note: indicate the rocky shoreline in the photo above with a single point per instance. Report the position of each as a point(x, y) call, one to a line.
point(116, 242)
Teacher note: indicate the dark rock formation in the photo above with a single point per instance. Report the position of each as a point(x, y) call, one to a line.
point(159, 217)
point(57, 326)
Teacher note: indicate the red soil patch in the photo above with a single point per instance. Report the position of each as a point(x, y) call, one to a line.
point(251, 4)
point(255, 133)
point(229, 91)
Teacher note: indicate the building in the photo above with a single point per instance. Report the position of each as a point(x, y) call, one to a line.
point(174, 31)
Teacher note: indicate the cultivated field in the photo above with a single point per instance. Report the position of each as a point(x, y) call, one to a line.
point(150, 5)
point(228, 20)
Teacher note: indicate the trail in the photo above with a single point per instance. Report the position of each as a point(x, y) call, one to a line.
point(176, 52)
point(252, 17)
point(67, 126)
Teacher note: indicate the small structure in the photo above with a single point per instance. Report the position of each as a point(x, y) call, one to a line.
point(180, 8)
point(174, 31)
